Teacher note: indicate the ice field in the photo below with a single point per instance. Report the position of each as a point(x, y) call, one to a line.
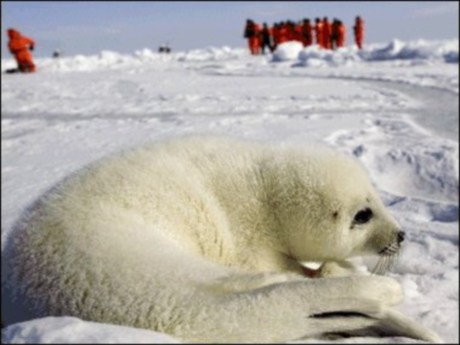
point(393, 105)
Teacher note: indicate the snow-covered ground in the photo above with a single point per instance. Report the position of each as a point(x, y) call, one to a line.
point(394, 106)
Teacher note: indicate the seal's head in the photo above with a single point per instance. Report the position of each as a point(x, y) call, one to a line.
point(332, 212)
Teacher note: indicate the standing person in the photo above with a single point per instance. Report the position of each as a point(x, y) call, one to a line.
point(276, 35)
point(307, 38)
point(252, 33)
point(266, 38)
point(327, 29)
point(290, 32)
point(283, 32)
point(319, 32)
point(335, 34)
point(21, 46)
point(341, 34)
point(298, 36)
point(358, 30)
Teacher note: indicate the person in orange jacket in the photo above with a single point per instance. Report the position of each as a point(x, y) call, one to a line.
point(20, 46)
point(327, 31)
point(298, 36)
point(282, 33)
point(359, 32)
point(290, 31)
point(252, 33)
point(276, 35)
point(341, 35)
point(319, 32)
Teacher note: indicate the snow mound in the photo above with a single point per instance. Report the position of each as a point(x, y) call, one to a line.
point(313, 56)
point(414, 50)
point(421, 50)
point(211, 54)
point(86, 63)
point(287, 51)
point(417, 172)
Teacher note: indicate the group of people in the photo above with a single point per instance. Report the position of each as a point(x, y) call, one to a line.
point(326, 34)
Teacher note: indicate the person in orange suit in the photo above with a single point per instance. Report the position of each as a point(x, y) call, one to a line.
point(341, 34)
point(20, 46)
point(359, 32)
point(283, 33)
point(307, 38)
point(327, 31)
point(298, 36)
point(290, 31)
point(252, 32)
point(319, 32)
point(276, 35)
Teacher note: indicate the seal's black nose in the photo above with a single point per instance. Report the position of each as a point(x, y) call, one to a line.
point(401, 235)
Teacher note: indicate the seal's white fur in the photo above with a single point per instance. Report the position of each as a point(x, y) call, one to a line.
point(203, 239)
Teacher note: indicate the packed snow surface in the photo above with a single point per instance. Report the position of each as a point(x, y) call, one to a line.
point(394, 106)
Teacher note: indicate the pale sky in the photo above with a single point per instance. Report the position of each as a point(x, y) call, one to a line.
point(88, 27)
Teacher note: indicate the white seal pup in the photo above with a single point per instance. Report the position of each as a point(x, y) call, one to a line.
point(204, 239)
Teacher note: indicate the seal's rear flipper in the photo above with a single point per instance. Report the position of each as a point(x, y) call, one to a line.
point(12, 70)
point(387, 323)
point(396, 324)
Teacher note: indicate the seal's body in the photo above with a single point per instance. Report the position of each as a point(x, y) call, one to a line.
point(203, 238)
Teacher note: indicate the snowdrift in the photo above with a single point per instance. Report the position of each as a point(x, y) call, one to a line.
point(312, 56)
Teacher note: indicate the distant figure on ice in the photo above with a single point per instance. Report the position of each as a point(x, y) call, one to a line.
point(266, 38)
point(21, 46)
point(56, 53)
point(252, 34)
point(358, 30)
point(164, 48)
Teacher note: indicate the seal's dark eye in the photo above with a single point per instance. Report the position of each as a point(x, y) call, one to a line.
point(363, 216)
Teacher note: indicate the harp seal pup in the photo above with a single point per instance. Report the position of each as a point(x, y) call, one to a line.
point(203, 238)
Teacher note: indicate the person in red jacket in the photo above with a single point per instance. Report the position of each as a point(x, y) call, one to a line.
point(290, 31)
point(319, 32)
point(20, 46)
point(359, 32)
point(283, 33)
point(327, 31)
point(341, 34)
point(276, 35)
point(298, 36)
